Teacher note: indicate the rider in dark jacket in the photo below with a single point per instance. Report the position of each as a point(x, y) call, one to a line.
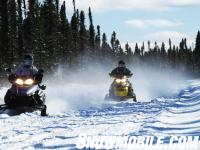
point(121, 70)
point(26, 68)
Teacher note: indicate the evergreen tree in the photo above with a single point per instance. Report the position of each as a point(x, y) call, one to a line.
point(173, 58)
point(104, 41)
point(91, 29)
point(137, 55)
point(163, 56)
point(19, 26)
point(12, 31)
point(197, 47)
point(98, 38)
point(51, 33)
point(82, 33)
point(197, 54)
point(163, 51)
point(113, 42)
point(24, 8)
point(29, 26)
point(155, 55)
point(118, 48)
point(66, 35)
point(105, 46)
point(57, 6)
point(128, 52)
point(74, 4)
point(4, 32)
point(46, 32)
point(142, 49)
point(149, 45)
point(170, 44)
point(75, 31)
point(137, 51)
point(128, 49)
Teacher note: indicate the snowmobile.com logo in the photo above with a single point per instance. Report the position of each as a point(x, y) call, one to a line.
point(137, 142)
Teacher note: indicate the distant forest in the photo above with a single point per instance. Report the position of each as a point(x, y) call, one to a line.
point(44, 30)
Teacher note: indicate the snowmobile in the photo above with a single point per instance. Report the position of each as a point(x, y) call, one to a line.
point(121, 90)
point(25, 95)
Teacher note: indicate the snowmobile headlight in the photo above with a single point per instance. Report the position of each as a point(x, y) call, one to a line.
point(123, 80)
point(29, 82)
point(118, 80)
point(19, 82)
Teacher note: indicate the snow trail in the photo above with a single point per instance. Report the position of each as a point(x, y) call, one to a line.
point(175, 115)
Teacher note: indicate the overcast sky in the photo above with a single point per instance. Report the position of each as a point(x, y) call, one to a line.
point(142, 20)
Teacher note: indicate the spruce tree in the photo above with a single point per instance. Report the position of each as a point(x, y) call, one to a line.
point(105, 46)
point(113, 41)
point(24, 7)
point(52, 37)
point(82, 33)
point(149, 46)
point(142, 49)
point(75, 31)
point(74, 4)
point(137, 51)
point(91, 29)
point(170, 44)
point(128, 52)
point(137, 55)
point(19, 26)
point(98, 38)
point(163, 56)
point(12, 31)
point(29, 26)
point(57, 6)
point(4, 32)
point(65, 31)
point(197, 46)
point(197, 53)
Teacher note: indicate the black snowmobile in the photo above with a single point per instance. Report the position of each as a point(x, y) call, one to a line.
point(121, 90)
point(25, 95)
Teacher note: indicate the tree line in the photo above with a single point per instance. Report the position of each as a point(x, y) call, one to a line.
point(44, 30)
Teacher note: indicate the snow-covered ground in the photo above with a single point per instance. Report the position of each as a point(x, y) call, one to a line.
point(175, 115)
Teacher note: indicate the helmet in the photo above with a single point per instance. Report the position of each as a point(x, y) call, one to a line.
point(28, 56)
point(28, 60)
point(121, 63)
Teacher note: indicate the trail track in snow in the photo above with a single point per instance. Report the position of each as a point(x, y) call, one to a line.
point(177, 115)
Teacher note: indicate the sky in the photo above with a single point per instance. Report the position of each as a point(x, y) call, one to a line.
point(143, 20)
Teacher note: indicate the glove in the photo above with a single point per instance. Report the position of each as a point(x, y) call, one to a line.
point(38, 78)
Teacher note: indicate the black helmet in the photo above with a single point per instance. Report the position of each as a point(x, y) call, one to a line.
point(28, 57)
point(121, 62)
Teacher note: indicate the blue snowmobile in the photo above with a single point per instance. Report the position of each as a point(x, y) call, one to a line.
point(25, 95)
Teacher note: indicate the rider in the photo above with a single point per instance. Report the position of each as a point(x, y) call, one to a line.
point(26, 68)
point(120, 72)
